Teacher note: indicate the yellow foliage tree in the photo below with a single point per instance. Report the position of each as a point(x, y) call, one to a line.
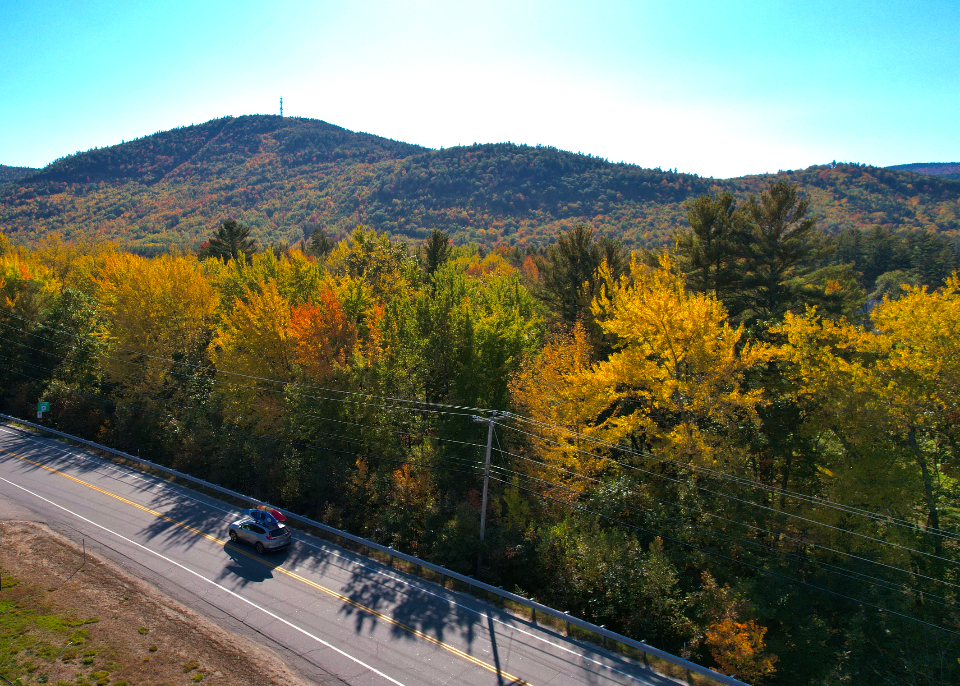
point(675, 382)
point(163, 308)
point(549, 389)
point(890, 393)
point(255, 338)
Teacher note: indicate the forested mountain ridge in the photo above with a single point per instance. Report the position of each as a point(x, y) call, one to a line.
point(283, 177)
point(949, 170)
point(11, 174)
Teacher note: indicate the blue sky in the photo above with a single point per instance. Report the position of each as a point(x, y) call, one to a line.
point(714, 88)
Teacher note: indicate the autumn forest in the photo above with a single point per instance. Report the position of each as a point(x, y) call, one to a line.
point(729, 429)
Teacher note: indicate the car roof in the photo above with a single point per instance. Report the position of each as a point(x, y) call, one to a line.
point(250, 520)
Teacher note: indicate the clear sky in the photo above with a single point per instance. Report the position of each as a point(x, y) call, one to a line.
point(714, 87)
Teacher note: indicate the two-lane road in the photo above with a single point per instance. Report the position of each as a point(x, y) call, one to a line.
point(342, 616)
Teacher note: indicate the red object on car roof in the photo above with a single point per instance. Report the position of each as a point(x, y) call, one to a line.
point(276, 514)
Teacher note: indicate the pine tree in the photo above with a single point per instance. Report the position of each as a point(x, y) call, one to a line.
point(230, 242)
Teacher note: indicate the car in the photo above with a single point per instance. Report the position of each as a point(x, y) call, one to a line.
point(264, 535)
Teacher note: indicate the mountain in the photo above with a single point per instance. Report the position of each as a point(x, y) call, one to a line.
point(949, 170)
point(285, 176)
point(11, 174)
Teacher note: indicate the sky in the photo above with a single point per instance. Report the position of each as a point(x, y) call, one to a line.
point(714, 87)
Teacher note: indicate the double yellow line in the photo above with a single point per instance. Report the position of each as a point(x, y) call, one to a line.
point(293, 575)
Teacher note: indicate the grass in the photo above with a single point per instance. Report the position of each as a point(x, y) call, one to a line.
point(43, 646)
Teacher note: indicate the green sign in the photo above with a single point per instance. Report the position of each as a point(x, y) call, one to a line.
point(43, 407)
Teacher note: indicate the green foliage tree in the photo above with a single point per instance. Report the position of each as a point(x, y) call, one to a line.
point(320, 244)
point(783, 248)
point(569, 271)
point(230, 242)
point(436, 251)
point(710, 252)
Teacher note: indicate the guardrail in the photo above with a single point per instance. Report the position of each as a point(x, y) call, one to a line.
point(470, 581)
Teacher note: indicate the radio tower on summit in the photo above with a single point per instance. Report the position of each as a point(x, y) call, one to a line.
point(281, 107)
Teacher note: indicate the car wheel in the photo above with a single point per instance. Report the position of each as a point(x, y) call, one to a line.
point(233, 536)
point(259, 548)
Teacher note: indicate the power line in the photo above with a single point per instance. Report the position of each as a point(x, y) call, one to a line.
point(420, 404)
point(777, 534)
point(833, 569)
point(740, 562)
point(404, 408)
point(848, 509)
point(740, 500)
point(229, 383)
point(248, 434)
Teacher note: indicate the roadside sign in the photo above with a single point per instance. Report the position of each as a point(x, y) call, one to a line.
point(43, 407)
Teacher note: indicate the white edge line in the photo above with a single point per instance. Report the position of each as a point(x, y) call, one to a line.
point(156, 481)
point(222, 588)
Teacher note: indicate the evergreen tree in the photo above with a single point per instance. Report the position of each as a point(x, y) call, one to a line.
point(230, 241)
point(709, 253)
point(782, 248)
point(320, 243)
point(436, 251)
point(569, 271)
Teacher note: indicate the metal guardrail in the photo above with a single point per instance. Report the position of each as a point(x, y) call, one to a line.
point(470, 581)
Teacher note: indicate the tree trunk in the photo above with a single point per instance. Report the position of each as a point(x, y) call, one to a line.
point(933, 518)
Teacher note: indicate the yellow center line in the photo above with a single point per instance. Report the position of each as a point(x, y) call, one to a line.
point(379, 615)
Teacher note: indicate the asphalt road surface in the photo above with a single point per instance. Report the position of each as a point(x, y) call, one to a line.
point(337, 617)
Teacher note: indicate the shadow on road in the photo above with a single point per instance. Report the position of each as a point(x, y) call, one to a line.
point(407, 605)
point(247, 567)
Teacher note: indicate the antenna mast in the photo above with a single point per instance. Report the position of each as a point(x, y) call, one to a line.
point(281, 107)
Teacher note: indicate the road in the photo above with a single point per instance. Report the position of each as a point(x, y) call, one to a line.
point(336, 616)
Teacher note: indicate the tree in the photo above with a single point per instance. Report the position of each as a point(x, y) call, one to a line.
point(675, 382)
point(548, 389)
point(782, 249)
point(230, 242)
point(710, 252)
point(325, 337)
point(569, 271)
point(320, 243)
point(890, 391)
point(436, 251)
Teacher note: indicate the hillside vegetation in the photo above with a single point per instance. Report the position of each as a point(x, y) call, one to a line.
point(284, 177)
point(716, 450)
point(948, 170)
point(11, 174)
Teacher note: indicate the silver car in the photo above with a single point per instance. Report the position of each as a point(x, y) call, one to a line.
point(263, 536)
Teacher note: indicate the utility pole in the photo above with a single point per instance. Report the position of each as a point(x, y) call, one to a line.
point(491, 422)
point(281, 107)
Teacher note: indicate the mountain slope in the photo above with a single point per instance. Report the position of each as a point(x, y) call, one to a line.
point(283, 177)
point(948, 170)
point(11, 174)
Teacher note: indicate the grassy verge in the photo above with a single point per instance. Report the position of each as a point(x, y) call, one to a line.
point(39, 645)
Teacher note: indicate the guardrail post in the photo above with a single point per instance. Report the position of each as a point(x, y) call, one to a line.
point(568, 622)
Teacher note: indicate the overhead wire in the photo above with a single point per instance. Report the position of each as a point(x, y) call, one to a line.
point(779, 535)
point(215, 380)
point(739, 562)
point(506, 416)
point(821, 502)
point(830, 568)
point(419, 405)
point(252, 435)
point(743, 501)
point(842, 571)
point(495, 478)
